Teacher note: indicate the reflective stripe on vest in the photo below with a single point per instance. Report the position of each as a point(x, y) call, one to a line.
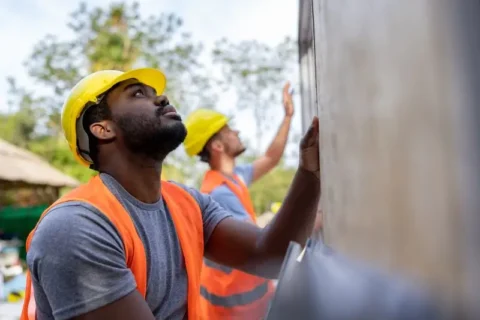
point(217, 266)
point(186, 216)
point(227, 293)
point(239, 299)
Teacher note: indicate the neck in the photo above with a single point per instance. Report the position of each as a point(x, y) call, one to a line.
point(224, 164)
point(140, 176)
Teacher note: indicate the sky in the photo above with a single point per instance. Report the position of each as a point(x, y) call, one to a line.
point(24, 22)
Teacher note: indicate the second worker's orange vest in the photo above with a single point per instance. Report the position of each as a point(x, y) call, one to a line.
point(187, 219)
point(228, 293)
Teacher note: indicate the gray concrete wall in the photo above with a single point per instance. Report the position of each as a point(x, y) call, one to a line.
point(395, 116)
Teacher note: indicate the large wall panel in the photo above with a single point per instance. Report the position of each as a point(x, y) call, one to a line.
point(397, 88)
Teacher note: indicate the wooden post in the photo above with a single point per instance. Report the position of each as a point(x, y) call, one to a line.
point(398, 89)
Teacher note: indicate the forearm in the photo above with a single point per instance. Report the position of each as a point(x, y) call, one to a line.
point(277, 146)
point(293, 222)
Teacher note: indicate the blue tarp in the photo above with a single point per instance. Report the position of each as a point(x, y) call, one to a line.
point(16, 284)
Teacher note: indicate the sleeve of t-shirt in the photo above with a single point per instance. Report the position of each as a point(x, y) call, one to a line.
point(212, 212)
point(245, 171)
point(77, 262)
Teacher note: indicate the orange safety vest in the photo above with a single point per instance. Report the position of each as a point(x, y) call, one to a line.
point(187, 219)
point(230, 293)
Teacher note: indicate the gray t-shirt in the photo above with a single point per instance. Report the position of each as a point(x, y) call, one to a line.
point(77, 259)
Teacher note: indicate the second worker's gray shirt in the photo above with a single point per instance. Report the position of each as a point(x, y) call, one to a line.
point(77, 260)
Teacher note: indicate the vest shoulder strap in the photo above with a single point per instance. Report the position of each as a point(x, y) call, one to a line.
point(214, 179)
point(187, 218)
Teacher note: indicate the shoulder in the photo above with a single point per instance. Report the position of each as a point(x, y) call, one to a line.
point(72, 211)
point(223, 195)
point(245, 171)
point(199, 197)
point(212, 212)
point(72, 224)
point(221, 191)
point(229, 201)
point(209, 202)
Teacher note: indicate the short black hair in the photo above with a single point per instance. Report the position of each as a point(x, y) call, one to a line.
point(205, 153)
point(95, 113)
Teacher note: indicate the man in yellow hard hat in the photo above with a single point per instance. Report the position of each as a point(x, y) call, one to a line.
point(127, 245)
point(215, 142)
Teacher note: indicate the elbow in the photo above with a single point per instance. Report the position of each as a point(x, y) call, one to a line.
point(268, 255)
point(265, 266)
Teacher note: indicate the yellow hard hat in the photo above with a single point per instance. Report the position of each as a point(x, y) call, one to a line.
point(87, 91)
point(201, 125)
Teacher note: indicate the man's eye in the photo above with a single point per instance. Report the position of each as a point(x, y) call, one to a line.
point(138, 93)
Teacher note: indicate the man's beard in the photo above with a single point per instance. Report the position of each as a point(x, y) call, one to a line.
point(239, 151)
point(150, 136)
point(234, 149)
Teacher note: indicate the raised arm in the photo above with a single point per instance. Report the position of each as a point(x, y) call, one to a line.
point(274, 153)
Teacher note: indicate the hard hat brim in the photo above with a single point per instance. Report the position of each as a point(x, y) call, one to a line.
point(151, 77)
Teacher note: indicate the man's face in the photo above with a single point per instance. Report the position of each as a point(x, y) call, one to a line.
point(147, 123)
point(232, 145)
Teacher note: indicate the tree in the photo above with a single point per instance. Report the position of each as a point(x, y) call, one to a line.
point(257, 72)
point(117, 37)
point(18, 124)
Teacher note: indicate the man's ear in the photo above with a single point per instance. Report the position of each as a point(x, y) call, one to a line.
point(216, 145)
point(103, 130)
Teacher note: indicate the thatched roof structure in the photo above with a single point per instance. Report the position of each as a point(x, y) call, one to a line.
point(25, 168)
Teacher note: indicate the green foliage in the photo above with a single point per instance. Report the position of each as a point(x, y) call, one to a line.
point(271, 188)
point(116, 37)
point(18, 126)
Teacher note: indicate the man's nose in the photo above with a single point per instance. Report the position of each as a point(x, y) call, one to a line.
point(161, 101)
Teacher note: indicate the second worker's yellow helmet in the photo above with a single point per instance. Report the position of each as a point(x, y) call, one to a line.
point(201, 125)
point(87, 92)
